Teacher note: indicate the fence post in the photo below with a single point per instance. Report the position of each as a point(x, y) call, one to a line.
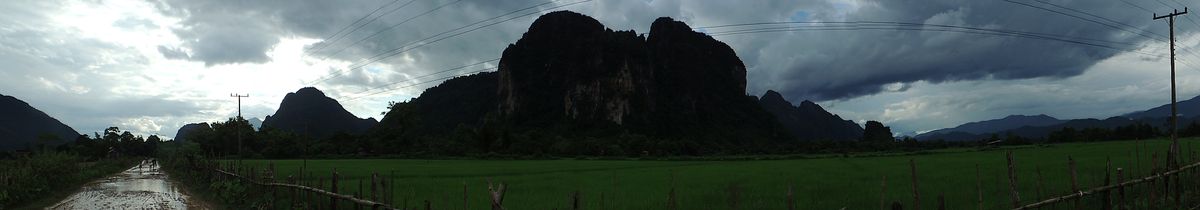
point(1074, 180)
point(575, 200)
point(912, 164)
point(333, 187)
point(978, 188)
point(1012, 181)
point(882, 194)
point(497, 195)
point(465, 195)
point(941, 202)
point(1153, 182)
point(360, 194)
point(1120, 190)
point(1040, 187)
point(292, 180)
point(374, 180)
point(1106, 197)
point(320, 185)
point(791, 199)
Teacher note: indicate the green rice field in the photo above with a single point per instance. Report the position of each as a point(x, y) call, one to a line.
point(819, 183)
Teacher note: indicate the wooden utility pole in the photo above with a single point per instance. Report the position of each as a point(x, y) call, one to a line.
point(239, 99)
point(1172, 155)
point(239, 118)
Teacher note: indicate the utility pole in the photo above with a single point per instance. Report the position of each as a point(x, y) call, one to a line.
point(1173, 153)
point(239, 119)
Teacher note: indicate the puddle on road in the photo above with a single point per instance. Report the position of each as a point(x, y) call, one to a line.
point(142, 187)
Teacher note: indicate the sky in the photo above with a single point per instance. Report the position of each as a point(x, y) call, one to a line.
point(151, 66)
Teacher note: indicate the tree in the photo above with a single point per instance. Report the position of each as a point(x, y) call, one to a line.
point(875, 131)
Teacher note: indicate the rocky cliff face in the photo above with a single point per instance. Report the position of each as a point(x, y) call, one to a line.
point(309, 112)
point(809, 121)
point(569, 77)
point(570, 67)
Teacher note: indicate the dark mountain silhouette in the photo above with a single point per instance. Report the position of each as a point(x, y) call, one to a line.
point(1037, 127)
point(1043, 131)
point(568, 68)
point(309, 112)
point(1187, 108)
point(1025, 131)
point(22, 125)
point(460, 101)
point(255, 122)
point(569, 73)
point(970, 129)
point(184, 132)
point(809, 121)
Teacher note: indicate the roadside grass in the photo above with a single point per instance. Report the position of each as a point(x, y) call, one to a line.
point(43, 179)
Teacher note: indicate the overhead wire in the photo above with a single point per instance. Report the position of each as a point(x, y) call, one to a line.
point(439, 37)
point(888, 25)
point(389, 28)
point(384, 88)
point(333, 40)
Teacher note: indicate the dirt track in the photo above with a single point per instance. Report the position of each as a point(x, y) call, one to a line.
point(142, 187)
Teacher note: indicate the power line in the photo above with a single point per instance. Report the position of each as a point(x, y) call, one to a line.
point(1185, 50)
point(883, 25)
point(1077, 17)
point(918, 25)
point(1102, 18)
point(359, 20)
point(1135, 5)
point(334, 39)
point(389, 28)
point(423, 76)
point(423, 42)
point(421, 83)
point(431, 39)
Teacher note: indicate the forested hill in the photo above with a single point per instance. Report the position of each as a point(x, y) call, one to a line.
point(569, 77)
point(22, 126)
point(309, 112)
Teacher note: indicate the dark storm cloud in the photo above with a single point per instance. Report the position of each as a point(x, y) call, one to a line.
point(221, 33)
point(830, 65)
point(814, 65)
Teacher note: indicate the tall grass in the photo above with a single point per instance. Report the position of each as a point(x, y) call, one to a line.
point(25, 180)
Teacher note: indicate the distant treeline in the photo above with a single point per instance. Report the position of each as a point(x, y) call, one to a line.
point(112, 143)
point(1138, 130)
point(491, 140)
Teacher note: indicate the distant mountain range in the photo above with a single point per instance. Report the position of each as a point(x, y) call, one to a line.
point(1187, 108)
point(1039, 126)
point(22, 125)
point(972, 129)
point(809, 121)
point(309, 112)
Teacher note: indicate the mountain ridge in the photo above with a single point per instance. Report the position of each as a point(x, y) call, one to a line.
point(23, 125)
point(309, 112)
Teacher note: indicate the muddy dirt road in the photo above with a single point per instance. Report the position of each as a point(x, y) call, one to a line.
point(142, 187)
